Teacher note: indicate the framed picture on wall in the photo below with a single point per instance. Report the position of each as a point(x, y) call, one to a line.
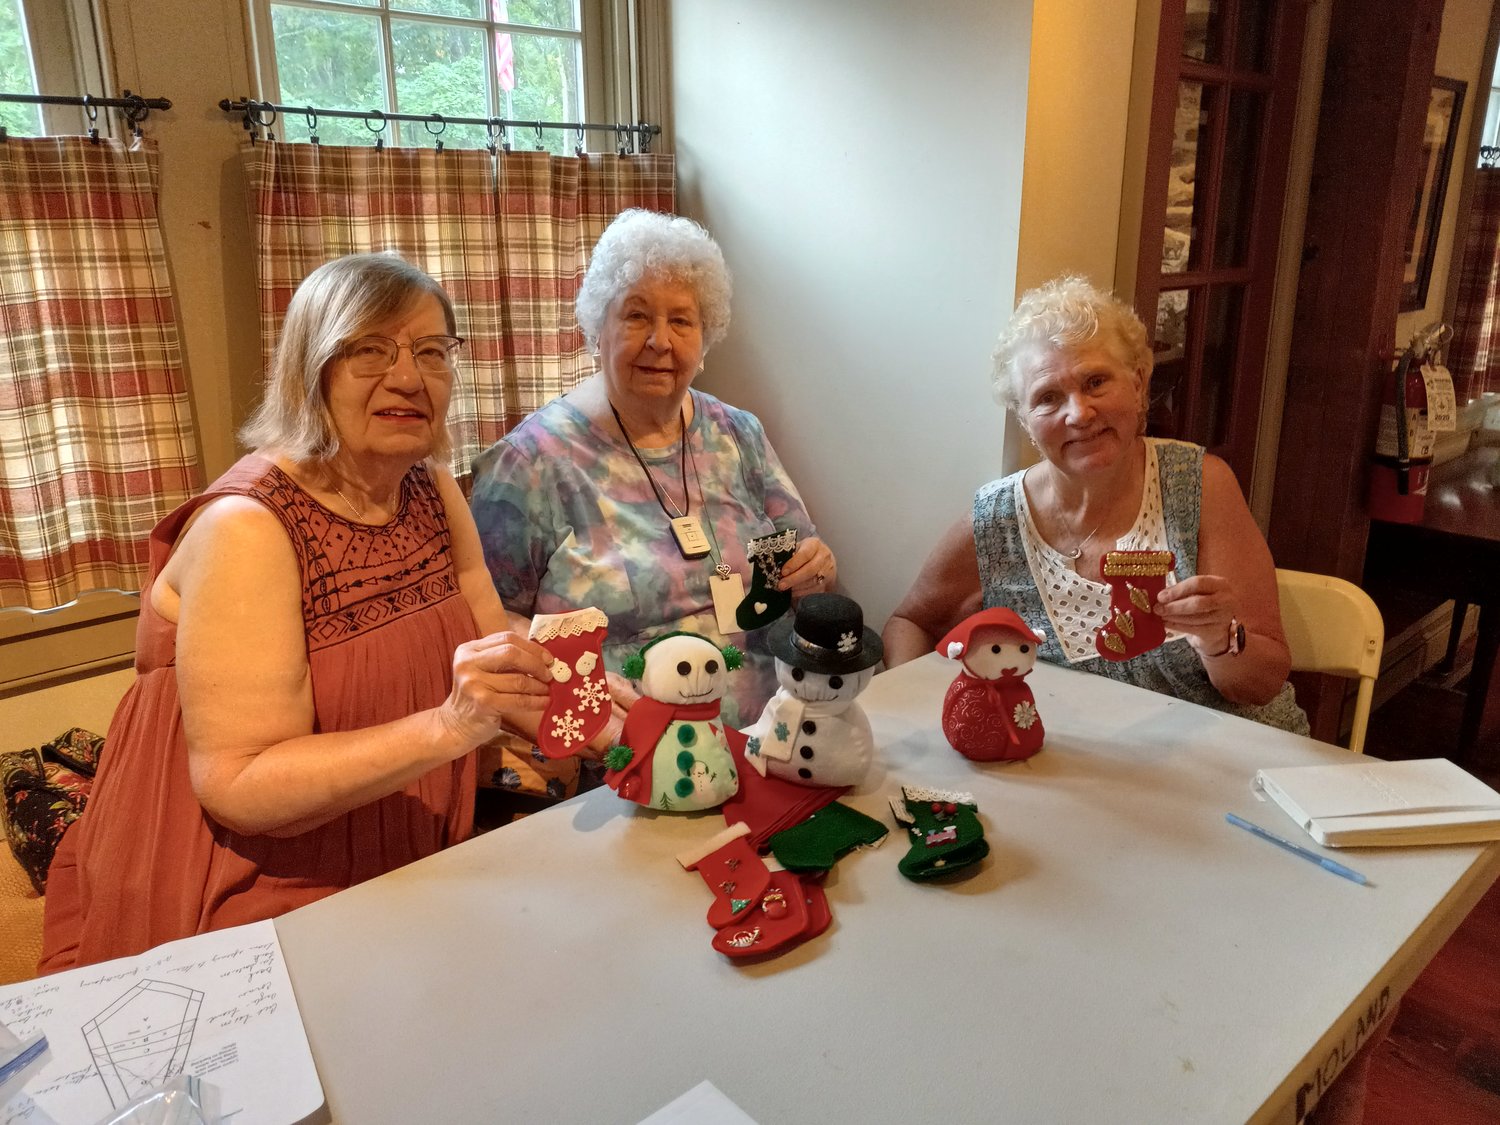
point(1439, 137)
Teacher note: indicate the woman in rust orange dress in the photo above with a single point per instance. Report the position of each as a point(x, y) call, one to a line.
point(320, 647)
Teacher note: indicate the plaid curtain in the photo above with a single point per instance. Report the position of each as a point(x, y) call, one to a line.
point(1475, 349)
point(506, 235)
point(96, 437)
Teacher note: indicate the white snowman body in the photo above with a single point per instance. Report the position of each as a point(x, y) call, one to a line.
point(812, 731)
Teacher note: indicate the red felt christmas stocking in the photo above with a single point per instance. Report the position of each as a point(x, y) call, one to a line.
point(1134, 579)
point(780, 918)
point(734, 873)
point(578, 703)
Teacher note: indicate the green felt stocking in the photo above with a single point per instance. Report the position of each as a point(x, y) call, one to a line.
point(765, 603)
point(820, 840)
point(943, 829)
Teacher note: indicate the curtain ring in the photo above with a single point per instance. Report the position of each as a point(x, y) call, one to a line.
point(136, 110)
point(312, 125)
point(622, 140)
point(92, 112)
point(494, 129)
point(578, 149)
point(262, 116)
point(643, 133)
point(379, 131)
point(438, 132)
point(541, 145)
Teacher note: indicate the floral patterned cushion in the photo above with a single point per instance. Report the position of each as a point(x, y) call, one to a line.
point(44, 791)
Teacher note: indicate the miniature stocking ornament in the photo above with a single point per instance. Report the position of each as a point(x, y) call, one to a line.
point(819, 841)
point(779, 919)
point(734, 873)
point(944, 831)
point(765, 603)
point(578, 700)
point(1134, 579)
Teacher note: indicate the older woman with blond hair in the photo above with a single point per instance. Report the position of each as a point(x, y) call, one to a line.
point(583, 503)
point(1074, 366)
point(320, 647)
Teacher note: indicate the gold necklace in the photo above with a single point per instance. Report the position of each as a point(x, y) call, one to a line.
point(359, 513)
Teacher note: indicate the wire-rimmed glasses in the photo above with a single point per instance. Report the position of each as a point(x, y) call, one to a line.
point(375, 355)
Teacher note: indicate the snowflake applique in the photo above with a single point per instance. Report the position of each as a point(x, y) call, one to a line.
point(1025, 714)
point(567, 727)
point(848, 642)
point(782, 734)
point(752, 747)
point(592, 694)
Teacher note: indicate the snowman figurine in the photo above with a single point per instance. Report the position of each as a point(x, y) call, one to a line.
point(675, 753)
point(812, 732)
point(989, 714)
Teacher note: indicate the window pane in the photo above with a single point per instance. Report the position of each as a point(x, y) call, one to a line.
point(16, 76)
point(1190, 151)
point(562, 14)
point(473, 9)
point(1170, 348)
point(1252, 35)
point(546, 89)
point(440, 69)
point(331, 60)
point(1221, 336)
point(1201, 30)
point(1237, 178)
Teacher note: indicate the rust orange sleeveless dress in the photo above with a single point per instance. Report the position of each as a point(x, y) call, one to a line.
point(145, 864)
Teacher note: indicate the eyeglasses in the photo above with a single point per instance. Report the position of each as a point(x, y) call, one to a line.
point(375, 355)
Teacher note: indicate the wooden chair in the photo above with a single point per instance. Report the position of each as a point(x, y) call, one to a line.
point(1333, 626)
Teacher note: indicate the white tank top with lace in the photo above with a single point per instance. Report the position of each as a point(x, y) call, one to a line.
point(1077, 606)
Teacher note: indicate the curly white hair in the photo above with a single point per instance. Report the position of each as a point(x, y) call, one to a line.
point(643, 243)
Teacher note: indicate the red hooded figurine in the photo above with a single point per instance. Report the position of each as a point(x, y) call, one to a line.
point(989, 714)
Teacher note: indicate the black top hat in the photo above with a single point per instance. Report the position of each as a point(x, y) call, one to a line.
point(826, 634)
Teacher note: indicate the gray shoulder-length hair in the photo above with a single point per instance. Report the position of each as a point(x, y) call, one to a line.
point(1069, 312)
point(339, 301)
point(649, 244)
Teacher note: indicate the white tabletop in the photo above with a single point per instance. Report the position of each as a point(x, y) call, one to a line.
point(1123, 955)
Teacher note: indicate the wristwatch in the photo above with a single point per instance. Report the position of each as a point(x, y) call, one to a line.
point(1236, 637)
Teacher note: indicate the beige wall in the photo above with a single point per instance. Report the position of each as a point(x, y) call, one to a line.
point(862, 169)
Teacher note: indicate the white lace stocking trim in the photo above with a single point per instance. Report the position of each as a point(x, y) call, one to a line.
point(761, 549)
point(550, 626)
point(1075, 605)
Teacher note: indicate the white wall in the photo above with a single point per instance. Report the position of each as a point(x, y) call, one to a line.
point(861, 166)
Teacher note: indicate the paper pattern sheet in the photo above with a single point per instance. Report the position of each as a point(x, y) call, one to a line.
point(218, 1006)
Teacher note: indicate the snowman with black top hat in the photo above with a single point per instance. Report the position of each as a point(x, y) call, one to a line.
point(812, 731)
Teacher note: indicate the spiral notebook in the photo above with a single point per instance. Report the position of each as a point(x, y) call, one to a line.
point(1374, 803)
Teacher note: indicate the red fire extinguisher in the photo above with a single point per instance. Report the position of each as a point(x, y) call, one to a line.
point(1403, 447)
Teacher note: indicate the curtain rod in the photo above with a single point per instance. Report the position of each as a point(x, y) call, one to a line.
point(262, 115)
point(134, 107)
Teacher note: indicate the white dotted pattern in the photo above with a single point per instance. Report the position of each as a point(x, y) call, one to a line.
point(1075, 605)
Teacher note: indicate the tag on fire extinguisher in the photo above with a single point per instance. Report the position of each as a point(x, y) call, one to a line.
point(1442, 408)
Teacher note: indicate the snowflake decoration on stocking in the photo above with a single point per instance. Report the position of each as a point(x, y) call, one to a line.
point(592, 694)
point(567, 727)
point(1025, 714)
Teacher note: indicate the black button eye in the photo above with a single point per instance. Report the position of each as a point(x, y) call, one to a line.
point(797, 674)
point(1025, 649)
point(711, 667)
point(995, 649)
point(835, 682)
point(683, 667)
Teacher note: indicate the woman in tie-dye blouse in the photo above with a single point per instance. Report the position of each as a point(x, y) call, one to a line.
point(575, 506)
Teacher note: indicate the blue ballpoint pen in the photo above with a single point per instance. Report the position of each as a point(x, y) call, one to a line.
point(1296, 849)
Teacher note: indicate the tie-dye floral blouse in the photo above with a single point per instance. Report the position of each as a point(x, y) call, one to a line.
point(568, 520)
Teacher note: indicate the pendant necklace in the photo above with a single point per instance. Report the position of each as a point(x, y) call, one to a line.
point(359, 513)
point(685, 526)
point(1077, 552)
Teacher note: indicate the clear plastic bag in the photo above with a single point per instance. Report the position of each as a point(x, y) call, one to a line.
point(19, 1061)
point(180, 1100)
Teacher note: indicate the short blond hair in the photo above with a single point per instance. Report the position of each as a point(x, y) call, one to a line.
point(1069, 312)
point(339, 301)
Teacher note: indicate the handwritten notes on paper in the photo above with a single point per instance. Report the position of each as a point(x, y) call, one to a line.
point(218, 1006)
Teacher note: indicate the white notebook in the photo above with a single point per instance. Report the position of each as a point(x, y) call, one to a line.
point(1371, 803)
